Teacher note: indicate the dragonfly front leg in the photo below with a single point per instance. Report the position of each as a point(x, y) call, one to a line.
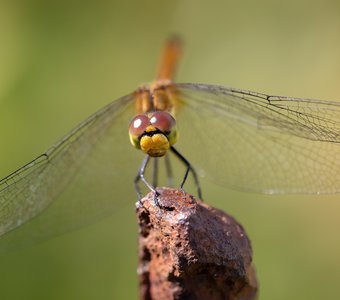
point(189, 168)
point(140, 176)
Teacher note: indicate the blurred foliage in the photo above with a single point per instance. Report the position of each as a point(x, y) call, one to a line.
point(62, 60)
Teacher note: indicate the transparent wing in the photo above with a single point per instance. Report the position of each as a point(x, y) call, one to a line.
point(243, 139)
point(78, 180)
point(260, 143)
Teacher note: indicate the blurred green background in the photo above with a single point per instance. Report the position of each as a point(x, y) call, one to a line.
point(62, 60)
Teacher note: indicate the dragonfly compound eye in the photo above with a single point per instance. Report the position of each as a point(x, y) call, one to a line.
point(137, 128)
point(166, 123)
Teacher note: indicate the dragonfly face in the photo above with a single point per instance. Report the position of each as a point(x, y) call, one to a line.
point(153, 133)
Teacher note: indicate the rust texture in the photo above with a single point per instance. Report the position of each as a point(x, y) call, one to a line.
point(189, 250)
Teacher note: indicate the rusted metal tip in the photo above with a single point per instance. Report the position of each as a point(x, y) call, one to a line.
point(189, 250)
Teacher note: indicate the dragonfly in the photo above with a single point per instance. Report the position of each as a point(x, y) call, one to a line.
point(236, 138)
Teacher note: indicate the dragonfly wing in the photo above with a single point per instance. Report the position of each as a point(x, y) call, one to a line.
point(260, 143)
point(80, 179)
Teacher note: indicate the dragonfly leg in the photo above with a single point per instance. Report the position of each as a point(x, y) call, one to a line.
point(140, 176)
point(189, 168)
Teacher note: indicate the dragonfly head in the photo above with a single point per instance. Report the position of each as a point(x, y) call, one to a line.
point(153, 133)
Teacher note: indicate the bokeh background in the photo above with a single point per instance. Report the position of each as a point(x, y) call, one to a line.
point(62, 60)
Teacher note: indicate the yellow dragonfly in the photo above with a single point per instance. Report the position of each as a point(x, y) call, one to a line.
point(241, 139)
